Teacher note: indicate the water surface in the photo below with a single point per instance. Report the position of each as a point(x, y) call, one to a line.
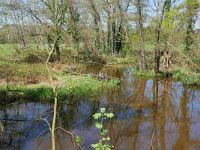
point(149, 114)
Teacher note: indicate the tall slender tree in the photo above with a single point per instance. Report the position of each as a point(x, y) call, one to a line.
point(139, 7)
point(96, 20)
point(159, 21)
point(166, 36)
point(191, 8)
point(73, 23)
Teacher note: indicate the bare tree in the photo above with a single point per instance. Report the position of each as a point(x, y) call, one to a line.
point(115, 22)
point(53, 16)
point(13, 9)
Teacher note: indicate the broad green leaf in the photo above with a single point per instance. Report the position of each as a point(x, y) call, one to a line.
point(98, 125)
point(103, 132)
point(103, 110)
point(97, 115)
point(109, 115)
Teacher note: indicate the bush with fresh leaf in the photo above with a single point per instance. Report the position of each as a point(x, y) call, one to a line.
point(103, 142)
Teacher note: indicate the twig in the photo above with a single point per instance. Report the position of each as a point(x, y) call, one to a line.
point(67, 132)
point(72, 136)
point(152, 135)
point(40, 134)
point(37, 118)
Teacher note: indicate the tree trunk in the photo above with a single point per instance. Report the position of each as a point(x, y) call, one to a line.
point(191, 6)
point(141, 31)
point(157, 53)
point(109, 33)
point(166, 37)
point(96, 17)
point(119, 39)
point(74, 20)
point(57, 50)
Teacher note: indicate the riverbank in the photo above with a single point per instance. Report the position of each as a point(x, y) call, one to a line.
point(68, 86)
point(185, 75)
point(31, 80)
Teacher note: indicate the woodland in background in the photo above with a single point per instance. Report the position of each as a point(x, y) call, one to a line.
point(157, 34)
point(49, 42)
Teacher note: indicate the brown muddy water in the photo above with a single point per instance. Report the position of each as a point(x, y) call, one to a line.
point(149, 114)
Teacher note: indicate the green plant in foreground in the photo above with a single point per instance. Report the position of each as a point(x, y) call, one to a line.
point(103, 142)
point(77, 139)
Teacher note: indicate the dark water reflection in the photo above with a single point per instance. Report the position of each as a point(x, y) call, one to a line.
point(149, 114)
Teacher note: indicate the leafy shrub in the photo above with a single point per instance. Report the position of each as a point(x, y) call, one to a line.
point(103, 143)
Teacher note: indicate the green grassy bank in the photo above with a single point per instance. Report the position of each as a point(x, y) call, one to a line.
point(71, 86)
point(186, 76)
point(27, 76)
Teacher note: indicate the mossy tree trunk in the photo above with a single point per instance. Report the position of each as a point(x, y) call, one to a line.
point(166, 36)
point(191, 8)
point(157, 50)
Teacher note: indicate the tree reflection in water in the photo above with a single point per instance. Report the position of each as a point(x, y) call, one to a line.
point(149, 114)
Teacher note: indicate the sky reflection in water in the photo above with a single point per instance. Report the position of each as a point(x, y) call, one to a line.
point(149, 114)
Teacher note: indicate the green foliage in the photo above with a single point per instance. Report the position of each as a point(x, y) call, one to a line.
point(33, 55)
point(11, 29)
point(7, 50)
point(77, 140)
point(187, 76)
point(125, 49)
point(169, 23)
point(24, 71)
point(149, 47)
point(84, 85)
point(30, 75)
point(72, 86)
point(150, 73)
point(103, 142)
point(118, 59)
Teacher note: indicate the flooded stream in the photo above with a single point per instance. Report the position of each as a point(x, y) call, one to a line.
point(149, 114)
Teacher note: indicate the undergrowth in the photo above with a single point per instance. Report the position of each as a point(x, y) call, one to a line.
point(187, 76)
